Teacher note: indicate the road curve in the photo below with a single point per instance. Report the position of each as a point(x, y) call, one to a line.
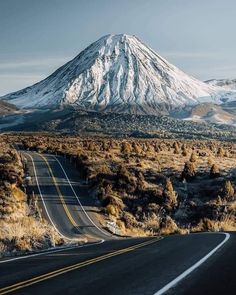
point(191, 264)
point(59, 198)
point(127, 266)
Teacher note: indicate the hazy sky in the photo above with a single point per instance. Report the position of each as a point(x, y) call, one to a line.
point(37, 36)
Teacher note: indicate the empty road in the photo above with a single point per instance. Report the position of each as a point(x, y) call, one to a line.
point(127, 266)
point(202, 263)
point(56, 183)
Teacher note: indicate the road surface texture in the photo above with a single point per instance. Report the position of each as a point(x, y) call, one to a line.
point(142, 266)
point(202, 263)
point(56, 184)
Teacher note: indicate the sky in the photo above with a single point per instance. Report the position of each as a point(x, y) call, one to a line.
point(36, 37)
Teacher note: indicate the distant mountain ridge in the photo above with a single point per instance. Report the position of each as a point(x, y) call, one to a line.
point(119, 73)
point(229, 84)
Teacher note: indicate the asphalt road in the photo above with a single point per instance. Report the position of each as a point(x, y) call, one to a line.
point(145, 267)
point(203, 263)
point(57, 184)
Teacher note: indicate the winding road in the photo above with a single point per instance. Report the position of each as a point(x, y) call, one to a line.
point(202, 263)
point(57, 185)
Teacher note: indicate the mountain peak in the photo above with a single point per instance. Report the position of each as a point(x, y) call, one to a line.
point(118, 37)
point(118, 73)
point(111, 43)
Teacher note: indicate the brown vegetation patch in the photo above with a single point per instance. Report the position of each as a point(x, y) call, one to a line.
point(153, 186)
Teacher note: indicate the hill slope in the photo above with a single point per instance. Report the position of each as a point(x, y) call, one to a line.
point(7, 108)
point(211, 113)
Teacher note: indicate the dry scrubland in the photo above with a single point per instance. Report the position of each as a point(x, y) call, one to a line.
point(153, 186)
point(20, 227)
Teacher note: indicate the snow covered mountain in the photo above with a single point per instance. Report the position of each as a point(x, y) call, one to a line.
point(119, 73)
point(225, 83)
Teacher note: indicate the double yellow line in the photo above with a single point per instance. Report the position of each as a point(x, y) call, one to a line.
point(61, 271)
point(59, 193)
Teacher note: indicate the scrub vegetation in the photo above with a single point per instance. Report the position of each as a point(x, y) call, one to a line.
point(152, 186)
point(21, 228)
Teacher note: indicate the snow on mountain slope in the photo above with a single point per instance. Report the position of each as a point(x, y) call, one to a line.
point(119, 73)
point(225, 83)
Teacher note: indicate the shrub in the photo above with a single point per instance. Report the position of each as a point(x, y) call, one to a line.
point(121, 225)
point(126, 148)
point(214, 172)
point(137, 149)
point(220, 152)
point(140, 181)
point(169, 195)
point(210, 161)
point(189, 171)
point(168, 226)
point(111, 210)
point(184, 152)
point(228, 191)
point(193, 157)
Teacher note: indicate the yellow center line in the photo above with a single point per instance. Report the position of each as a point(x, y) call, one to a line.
point(59, 193)
point(70, 268)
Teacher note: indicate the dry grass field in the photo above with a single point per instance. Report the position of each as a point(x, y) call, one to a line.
point(21, 229)
point(152, 186)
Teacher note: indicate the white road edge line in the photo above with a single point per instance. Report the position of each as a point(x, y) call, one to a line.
point(79, 199)
point(192, 268)
point(45, 207)
point(44, 204)
point(50, 251)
